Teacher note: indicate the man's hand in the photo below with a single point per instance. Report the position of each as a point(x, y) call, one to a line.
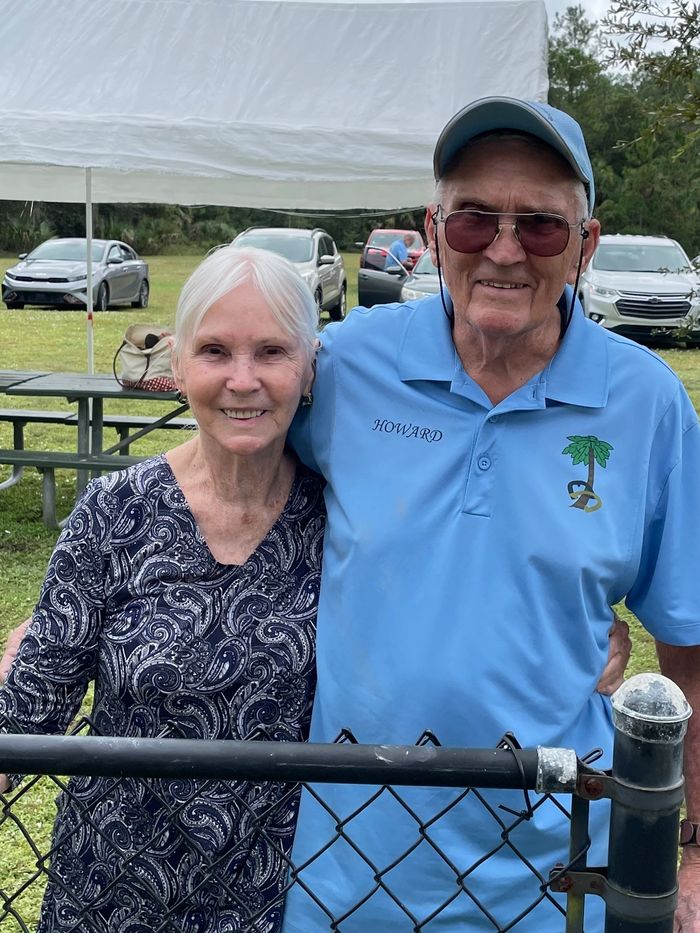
point(618, 657)
point(682, 666)
point(11, 648)
point(687, 917)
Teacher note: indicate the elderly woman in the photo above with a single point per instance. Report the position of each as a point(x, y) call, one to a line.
point(186, 589)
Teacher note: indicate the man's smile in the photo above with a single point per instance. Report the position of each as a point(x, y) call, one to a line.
point(507, 285)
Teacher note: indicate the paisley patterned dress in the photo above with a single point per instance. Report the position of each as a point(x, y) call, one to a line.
point(177, 645)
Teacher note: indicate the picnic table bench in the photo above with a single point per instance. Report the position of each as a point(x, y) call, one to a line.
point(89, 390)
point(47, 462)
point(123, 424)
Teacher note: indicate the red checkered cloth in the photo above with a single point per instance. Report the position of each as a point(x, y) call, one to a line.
point(159, 384)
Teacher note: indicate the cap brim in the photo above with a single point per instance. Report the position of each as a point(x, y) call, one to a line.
point(500, 113)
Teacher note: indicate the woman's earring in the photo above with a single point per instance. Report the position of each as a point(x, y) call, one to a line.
point(182, 399)
point(307, 400)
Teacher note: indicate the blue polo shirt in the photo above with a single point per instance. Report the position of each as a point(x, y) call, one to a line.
point(471, 556)
point(397, 250)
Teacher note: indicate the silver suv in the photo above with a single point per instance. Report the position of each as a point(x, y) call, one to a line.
point(314, 254)
point(641, 286)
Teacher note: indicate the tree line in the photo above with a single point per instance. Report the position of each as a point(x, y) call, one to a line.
point(631, 79)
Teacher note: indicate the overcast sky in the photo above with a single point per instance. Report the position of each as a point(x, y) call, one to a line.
point(594, 8)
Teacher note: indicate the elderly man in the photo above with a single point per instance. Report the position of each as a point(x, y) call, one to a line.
point(500, 471)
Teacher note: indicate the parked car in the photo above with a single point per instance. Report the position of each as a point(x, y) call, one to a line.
point(55, 275)
point(378, 242)
point(422, 281)
point(376, 287)
point(315, 255)
point(641, 286)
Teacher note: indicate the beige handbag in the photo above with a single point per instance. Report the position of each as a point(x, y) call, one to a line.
point(144, 359)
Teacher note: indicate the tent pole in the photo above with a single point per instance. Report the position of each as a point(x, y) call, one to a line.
point(88, 240)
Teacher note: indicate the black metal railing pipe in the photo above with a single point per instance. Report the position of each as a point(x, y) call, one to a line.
point(542, 769)
point(650, 716)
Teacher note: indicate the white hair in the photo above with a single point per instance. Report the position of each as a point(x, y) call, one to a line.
point(285, 292)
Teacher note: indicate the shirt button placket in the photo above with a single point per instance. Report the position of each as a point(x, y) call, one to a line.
point(478, 493)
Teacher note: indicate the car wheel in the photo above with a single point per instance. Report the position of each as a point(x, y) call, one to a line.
point(337, 312)
point(102, 297)
point(142, 300)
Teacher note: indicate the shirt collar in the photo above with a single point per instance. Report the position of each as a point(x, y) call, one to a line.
point(426, 350)
point(578, 374)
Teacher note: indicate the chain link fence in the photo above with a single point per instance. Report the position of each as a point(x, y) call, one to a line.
point(147, 813)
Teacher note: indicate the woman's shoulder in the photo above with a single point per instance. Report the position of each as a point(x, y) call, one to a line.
point(150, 479)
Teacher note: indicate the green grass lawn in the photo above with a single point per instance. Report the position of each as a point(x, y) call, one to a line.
point(56, 340)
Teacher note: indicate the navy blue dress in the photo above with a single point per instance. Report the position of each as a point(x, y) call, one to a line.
point(177, 645)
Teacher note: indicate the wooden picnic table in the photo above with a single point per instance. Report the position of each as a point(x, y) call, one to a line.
point(11, 377)
point(89, 390)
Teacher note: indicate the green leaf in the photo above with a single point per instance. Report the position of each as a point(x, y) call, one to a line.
point(601, 451)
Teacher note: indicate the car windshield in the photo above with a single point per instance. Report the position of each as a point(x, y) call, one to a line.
point(614, 257)
point(62, 251)
point(425, 265)
point(293, 248)
point(386, 238)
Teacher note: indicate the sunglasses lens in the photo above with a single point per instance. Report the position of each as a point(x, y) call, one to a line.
point(543, 234)
point(470, 231)
point(539, 234)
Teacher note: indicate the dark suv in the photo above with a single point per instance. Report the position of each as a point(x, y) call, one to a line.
point(314, 254)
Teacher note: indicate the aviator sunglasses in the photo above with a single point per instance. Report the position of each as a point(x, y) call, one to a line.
point(471, 231)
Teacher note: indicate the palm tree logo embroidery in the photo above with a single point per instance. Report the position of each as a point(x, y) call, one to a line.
point(586, 449)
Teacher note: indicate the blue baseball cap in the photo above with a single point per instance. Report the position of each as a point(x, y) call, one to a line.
point(552, 126)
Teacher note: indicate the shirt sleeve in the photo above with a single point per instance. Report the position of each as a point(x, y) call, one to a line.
point(58, 655)
point(666, 593)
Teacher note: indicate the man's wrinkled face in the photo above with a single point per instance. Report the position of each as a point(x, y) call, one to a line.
point(502, 291)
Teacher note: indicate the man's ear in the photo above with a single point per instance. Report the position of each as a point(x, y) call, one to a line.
point(431, 230)
point(590, 244)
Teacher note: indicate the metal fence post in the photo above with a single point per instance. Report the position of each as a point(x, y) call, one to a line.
point(650, 716)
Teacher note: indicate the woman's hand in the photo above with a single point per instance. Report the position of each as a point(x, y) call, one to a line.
point(618, 657)
point(11, 648)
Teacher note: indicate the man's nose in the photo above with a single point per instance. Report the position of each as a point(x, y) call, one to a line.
point(505, 248)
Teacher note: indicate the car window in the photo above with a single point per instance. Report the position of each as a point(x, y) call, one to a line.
point(326, 247)
point(293, 248)
point(126, 253)
point(380, 238)
point(387, 237)
point(425, 265)
point(73, 251)
point(114, 253)
point(616, 257)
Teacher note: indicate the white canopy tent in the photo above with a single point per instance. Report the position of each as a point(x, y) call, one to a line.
point(316, 104)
